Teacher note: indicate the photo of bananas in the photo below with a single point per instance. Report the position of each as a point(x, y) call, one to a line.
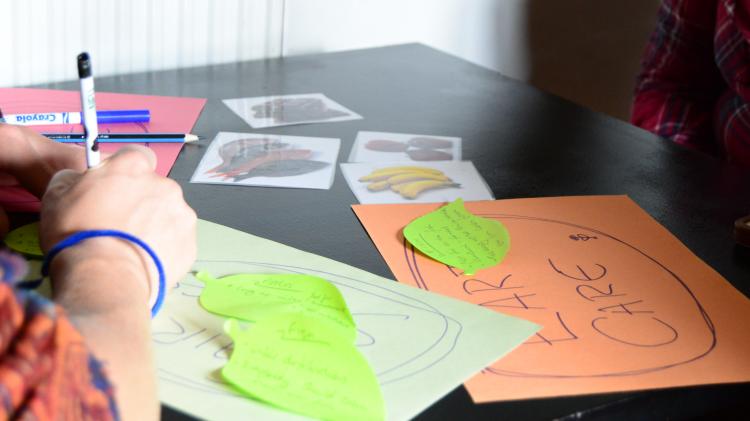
point(408, 181)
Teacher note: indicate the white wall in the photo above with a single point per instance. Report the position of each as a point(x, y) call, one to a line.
point(587, 51)
point(491, 33)
point(584, 50)
point(43, 37)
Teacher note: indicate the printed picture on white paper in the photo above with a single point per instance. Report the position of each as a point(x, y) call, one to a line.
point(266, 160)
point(393, 147)
point(285, 110)
point(399, 182)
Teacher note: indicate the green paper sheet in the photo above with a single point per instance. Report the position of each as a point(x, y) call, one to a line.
point(454, 236)
point(253, 297)
point(420, 345)
point(301, 364)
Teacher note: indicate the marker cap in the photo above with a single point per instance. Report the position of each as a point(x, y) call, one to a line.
point(84, 65)
point(123, 116)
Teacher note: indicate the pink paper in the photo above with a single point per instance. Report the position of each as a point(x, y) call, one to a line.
point(168, 115)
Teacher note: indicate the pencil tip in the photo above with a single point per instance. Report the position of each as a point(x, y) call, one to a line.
point(191, 138)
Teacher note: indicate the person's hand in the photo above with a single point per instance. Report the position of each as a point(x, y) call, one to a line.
point(31, 159)
point(122, 193)
point(103, 283)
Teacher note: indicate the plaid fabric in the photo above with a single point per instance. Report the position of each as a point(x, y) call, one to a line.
point(46, 371)
point(694, 84)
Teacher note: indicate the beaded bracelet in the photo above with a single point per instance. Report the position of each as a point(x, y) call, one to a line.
point(157, 294)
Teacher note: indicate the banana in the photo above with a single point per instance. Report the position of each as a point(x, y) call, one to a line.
point(378, 185)
point(414, 189)
point(384, 173)
point(414, 176)
point(406, 168)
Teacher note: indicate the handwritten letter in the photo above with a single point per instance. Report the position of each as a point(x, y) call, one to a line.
point(453, 236)
point(252, 297)
point(298, 363)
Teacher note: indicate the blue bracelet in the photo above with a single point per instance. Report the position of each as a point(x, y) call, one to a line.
point(84, 235)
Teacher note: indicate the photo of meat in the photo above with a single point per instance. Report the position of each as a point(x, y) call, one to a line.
point(269, 161)
point(262, 157)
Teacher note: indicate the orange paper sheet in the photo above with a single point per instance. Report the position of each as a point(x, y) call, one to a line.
point(168, 115)
point(624, 304)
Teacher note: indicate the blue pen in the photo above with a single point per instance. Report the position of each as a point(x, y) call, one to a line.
point(102, 117)
point(125, 137)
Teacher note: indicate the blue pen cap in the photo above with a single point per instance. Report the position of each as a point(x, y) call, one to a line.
point(123, 116)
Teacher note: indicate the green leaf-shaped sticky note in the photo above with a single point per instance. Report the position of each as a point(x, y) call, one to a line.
point(453, 236)
point(25, 240)
point(299, 364)
point(252, 297)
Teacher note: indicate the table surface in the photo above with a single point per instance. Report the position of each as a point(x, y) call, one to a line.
point(524, 142)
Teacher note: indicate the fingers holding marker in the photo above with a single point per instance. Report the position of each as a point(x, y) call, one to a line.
point(123, 193)
point(61, 182)
point(31, 159)
point(131, 159)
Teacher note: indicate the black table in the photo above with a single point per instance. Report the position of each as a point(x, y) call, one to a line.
point(524, 142)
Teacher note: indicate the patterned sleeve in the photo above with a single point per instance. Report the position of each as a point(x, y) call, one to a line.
point(679, 82)
point(732, 117)
point(46, 370)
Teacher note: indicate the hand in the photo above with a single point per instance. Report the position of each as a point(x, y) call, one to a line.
point(122, 193)
point(31, 159)
point(103, 282)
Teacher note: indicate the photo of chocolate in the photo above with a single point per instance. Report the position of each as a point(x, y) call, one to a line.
point(390, 147)
point(429, 155)
point(430, 143)
point(384, 145)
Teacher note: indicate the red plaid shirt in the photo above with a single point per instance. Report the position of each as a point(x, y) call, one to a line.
point(694, 85)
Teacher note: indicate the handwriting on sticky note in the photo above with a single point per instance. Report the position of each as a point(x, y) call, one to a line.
point(300, 364)
point(25, 240)
point(453, 236)
point(252, 297)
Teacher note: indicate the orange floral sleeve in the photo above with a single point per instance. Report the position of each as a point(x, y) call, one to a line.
point(46, 370)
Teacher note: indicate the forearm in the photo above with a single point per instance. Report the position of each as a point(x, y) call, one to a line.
point(103, 287)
